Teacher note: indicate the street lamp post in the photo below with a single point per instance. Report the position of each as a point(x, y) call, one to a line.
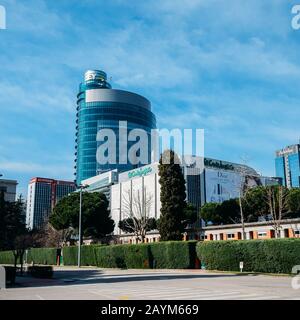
point(80, 219)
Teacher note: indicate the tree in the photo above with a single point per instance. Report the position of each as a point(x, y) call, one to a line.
point(21, 243)
point(48, 236)
point(277, 200)
point(254, 204)
point(96, 220)
point(172, 196)
point(137, 208)
point(12, 222)
point(190, 215)
point(243, 188)
point(13, 233)
point(294, 202)
point(20, 238)
point(273, 203)
point(227, 212)
point(208, 212)
point(129, 225)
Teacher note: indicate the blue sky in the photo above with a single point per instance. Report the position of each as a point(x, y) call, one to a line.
point(231, 67)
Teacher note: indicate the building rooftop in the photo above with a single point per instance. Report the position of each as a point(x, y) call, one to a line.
point(8, 181)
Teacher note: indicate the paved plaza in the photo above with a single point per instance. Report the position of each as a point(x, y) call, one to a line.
point(107, 284)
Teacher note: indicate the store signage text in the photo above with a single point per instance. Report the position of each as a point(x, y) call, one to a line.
point(139, 172)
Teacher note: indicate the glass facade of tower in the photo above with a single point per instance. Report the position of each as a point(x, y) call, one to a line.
point(294, 169)
point(101, 107)
point(287, 165)
point(280, 169)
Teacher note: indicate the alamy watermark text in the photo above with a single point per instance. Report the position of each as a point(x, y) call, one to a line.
point(296, 17)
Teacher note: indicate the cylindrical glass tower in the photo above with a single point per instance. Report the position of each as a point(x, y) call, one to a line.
point(101, 107)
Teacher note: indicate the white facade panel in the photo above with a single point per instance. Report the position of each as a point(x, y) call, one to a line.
point(132, 194)
point(115, 205)
point(113, 95)
point(150, 193)
point(126, 195)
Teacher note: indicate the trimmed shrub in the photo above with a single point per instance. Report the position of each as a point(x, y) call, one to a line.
point(42, 256)
point(43, 272)
point(7, 257)
point(88, 255)
point(70, 255)
point(269, 256)
point(138, 256)
point(173, 254)
point(124, 256)
point(162, 255)
point(111, 257)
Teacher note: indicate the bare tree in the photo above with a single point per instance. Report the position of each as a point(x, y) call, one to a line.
point(49, 237)
point(242, 190)
point(277, 200)
point(21, 244)
point(246, 182)
point(136, 208)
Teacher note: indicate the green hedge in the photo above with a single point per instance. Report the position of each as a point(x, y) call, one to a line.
point(7, 257)
point(139, 256)
point(162, 255)
point(42, 256)
point(37, 255)
point(70, 255)
point(124, 256)
point(174, 254)
point(270, 256)
point(88, 255)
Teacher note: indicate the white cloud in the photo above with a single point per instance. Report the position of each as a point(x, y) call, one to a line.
point(41, 99)
point(37, 169)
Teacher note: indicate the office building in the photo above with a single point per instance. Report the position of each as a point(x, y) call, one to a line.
point(287, 166)
point(101, 183)
point(43, 194)
point(8, 187)
point(101, 107)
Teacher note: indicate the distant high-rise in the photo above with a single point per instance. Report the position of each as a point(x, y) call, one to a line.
point(101, 107)
point(287, 165)
point(43, 194)
point(8, 187)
